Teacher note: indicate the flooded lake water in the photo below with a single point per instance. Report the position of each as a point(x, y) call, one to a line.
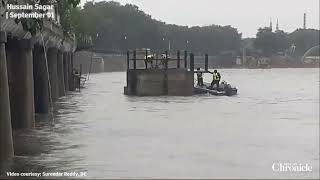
point(100, 131)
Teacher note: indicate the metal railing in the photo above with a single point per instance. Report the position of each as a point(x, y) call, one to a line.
point(153, 60)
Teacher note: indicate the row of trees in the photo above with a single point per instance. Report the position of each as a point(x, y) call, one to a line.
point(118, 28)
point(295, 43)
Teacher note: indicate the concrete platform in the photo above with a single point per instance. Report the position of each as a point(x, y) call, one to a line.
point(159, 82)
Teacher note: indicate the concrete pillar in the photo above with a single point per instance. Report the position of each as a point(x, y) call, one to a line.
point(6, 143)
point(60, 74)
point(20, 67)
point(52, 55)
point(40, 78)
point(66, 71)
point(71, 78)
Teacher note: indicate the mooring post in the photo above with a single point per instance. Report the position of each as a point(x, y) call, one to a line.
point(146, 61)
point(192, 62)
point(134, 59)
point(185, 59)
point(178, 59)
point(128, 60)
point(206, 63)
point(79, 80)
point(6, 142)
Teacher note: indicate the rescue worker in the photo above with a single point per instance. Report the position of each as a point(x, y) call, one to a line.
point(222, 85)
point(216, 79)
point(199, 77)
point(149, 59)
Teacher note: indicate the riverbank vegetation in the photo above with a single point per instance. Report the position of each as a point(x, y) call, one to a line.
point(270, 42)
point(116, 28)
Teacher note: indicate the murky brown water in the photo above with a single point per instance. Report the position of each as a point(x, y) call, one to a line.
point(274, 118)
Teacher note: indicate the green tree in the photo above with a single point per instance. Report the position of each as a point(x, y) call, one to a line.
point(282, 41)
point(127, 27)
point(265, 41)
point(304, 39)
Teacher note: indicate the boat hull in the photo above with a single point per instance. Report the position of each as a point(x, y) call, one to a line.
point(206, 90)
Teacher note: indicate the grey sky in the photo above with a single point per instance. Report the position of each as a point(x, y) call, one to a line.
point(245, 15)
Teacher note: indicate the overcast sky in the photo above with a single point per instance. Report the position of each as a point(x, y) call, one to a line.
point(245, 15)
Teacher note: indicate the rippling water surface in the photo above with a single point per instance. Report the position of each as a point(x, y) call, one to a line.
point(274, 118)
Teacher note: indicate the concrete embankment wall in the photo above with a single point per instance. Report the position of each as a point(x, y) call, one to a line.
point(27, 80)
point(89, 60)
point(102, 62)
point(289, 62)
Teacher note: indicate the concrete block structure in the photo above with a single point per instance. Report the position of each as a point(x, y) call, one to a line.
point(175, 81)
point(150, 82)
point(180, 82)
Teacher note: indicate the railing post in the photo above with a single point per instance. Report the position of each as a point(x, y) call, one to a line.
point(178, 57)
point(128, 60)
point(156, 59)
point(166, 60)
point(206, 63)
point(192, 62)
point(146, 61)
point(80, 77)
point(166, 74)
point(134, 59)
point(185, 59)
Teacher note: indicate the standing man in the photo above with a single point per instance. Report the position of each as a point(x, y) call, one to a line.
point(199, 77)
point(216, 79)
